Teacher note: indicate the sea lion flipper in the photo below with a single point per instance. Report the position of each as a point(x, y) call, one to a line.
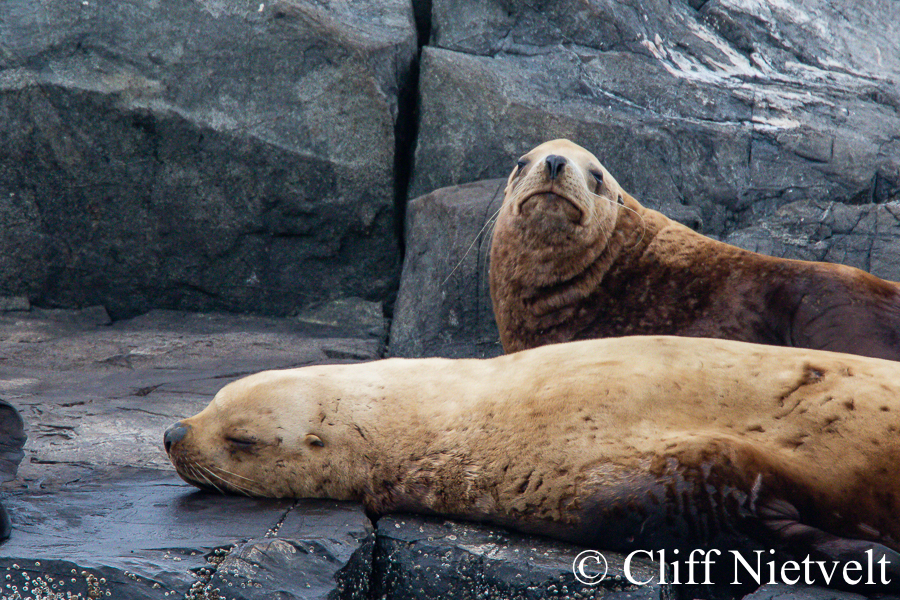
point(783, 519)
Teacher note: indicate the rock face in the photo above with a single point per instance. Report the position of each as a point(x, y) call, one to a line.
point(200, 155)
point(444, 304)
point(864, 236)
point(733, 108)
point(205, 155)
point(421, 558)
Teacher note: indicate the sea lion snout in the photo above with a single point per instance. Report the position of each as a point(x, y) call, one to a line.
point(555, 165)
point(174, 434)
point(551, 214)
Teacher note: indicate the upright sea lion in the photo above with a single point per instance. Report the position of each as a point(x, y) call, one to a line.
point(575, 257)
point(624, 443)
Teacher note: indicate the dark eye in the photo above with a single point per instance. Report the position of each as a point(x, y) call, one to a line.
point(242, 443)
point(598, 175)
point(521, 164)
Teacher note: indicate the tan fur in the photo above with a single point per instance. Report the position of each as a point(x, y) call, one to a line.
point(577, 258)
point(556, 439)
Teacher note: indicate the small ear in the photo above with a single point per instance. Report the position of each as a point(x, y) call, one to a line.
point(313, 440)
point(622, 202)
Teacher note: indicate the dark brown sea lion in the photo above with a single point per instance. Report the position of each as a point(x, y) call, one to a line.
point(625, 443)
point(575, 257)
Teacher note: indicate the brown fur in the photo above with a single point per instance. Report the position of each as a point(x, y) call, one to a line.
point(574, 258)
point(628, 442)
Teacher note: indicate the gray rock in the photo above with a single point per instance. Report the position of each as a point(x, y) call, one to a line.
point(420, 557)
point(348, 313)
point(200, 155)
point(321, 550)
point(97, 396)
point(96, 506)
point(444, 304)
point(791, 592)
point(734, 110)
point(14, 303)
point(12, 438)
point(147, 534)
point(864, 236)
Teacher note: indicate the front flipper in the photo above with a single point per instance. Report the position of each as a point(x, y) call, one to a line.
point(832, 555)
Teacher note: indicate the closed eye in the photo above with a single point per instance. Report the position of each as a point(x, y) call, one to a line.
point(597, 175)
point(241, 443)
point(521, 164)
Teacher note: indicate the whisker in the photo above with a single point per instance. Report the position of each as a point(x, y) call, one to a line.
point(489, 223)
point(232, 474)
point(640, 216)
point(207, 480)
point(191, 471)
point(228, 484)
point(247, 489)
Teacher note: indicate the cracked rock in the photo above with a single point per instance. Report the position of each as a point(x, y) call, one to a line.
point(321, 550)
point(200, 155)
point(863, 236)
point(422, 558)
point(444, 304)
point(147, 534)
point(733, 110)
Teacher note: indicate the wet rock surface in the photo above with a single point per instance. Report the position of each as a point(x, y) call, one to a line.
point(145, 534)
point(96, 396)
point(321, 550)
point(419, 557)
point(779, 591)
point(96, 506)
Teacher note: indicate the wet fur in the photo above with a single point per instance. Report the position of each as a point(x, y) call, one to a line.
point(627, 270)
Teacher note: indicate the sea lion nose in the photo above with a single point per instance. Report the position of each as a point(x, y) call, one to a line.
point(555, 165)
point(174, 434)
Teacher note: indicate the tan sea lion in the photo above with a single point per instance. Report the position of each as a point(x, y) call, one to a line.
point(575, 257)
point(622, 443)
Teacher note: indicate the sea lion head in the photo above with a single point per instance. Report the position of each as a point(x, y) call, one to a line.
point(560, 204)
point(272, 434)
